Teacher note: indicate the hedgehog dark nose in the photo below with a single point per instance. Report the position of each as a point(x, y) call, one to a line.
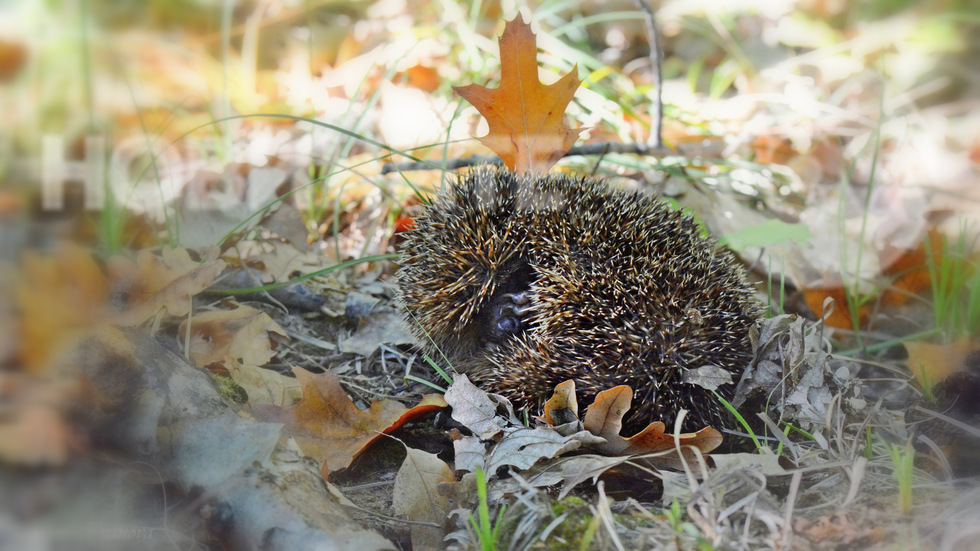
point(508, 325)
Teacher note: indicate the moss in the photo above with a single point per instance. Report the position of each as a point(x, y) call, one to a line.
point(230, 390)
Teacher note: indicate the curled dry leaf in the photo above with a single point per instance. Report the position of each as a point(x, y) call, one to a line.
point(328, 426)
point(604, 418)
point(562, 407)
point(514, 444)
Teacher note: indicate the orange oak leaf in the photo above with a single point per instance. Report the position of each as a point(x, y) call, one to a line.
point(526, 118)
point(329, 427)
point(605, 418)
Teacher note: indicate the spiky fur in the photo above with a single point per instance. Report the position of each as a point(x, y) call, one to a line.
point(623, 288)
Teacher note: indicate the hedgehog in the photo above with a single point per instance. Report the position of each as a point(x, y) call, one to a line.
point(525, 281)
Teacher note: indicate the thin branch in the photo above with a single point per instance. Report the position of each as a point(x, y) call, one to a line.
point(656, 137)
point(600, 148)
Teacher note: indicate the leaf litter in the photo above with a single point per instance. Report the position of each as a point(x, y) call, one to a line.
point(821, 478)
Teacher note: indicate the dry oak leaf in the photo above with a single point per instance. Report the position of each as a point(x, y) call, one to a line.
point(328, 426)
point(526, 118)
point(604, 418)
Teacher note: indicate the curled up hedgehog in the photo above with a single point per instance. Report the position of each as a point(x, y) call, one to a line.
point(527, 281)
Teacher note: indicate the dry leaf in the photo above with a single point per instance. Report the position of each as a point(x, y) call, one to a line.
point(562, 407)
point(910, 270)
point(167, 281)
point(840, 317)
point(329, 427)
point(35, 435)
point(773, 150)
point(526, 118)
point(66, 296)
point(425, 78)
point(416, 496)
point(241, 341)
point(474, 409)
point(937, 361)
point(242, 334)
point(604, 418)
point(61, 298)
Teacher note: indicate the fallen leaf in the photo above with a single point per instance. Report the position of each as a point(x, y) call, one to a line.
point(60, 297)
point(243, 334)
point(526, 118)
point(604, 418)
point(241, 341)
point(524, 447)
point(562, 407)
point(473, 408)
point(710, 377)
point(33, 436)
point(328, 426)
point(276, 261)
point(909, 269)
point(840, 317)
point(66, 296)
point(13, 56)
point(773, 150)
point(425, 78)
point(416, 496)
point(166, 281)
point(935, 362)
point(380, 325)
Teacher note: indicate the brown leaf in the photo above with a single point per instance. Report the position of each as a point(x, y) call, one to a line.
point(243, 334)
point(166, 281)
point(840, 317)
point(416, 496)
point(66, 296)
point(909, 268)
point(604, 418)
point(526, 118)
point(329, 427)
point(35, 435)
point(772, 150)
point(60, 297)
point(421, 76)
point(241, 341)
point(562, 407)
point(937, 361)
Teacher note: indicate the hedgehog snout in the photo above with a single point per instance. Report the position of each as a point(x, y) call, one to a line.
point(507, 316)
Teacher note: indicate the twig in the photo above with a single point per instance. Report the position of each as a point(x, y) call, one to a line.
point(600, 148)
point(656, 138)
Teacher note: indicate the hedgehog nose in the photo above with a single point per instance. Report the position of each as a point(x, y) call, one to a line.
point(508, 324)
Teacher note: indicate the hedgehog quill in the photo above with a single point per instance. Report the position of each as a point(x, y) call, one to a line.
point(524, 282)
